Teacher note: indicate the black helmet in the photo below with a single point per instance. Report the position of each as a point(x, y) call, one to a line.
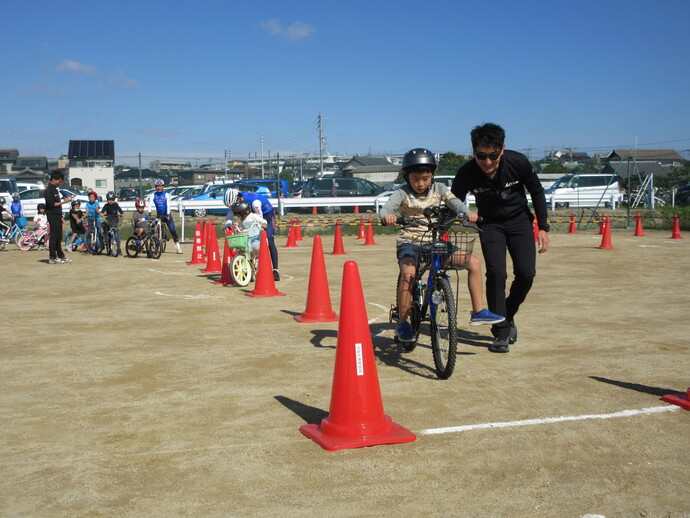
point(240, 207)
point(75, 203)
point(419, 156)
point(41, 206)
point(110, 195)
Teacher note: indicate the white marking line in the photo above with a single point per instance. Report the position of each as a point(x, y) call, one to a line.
point(378, 306)
point(188, 297)
point(549, 420)
point(165, 273)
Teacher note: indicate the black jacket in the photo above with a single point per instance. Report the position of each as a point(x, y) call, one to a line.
point(52, 196)
point(504, 197)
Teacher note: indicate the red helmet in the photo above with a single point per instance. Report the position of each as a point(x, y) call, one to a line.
point(140, 202)
point(94, 193)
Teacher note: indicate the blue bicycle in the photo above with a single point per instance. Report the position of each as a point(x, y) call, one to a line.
point(94, 237)
point(15, 233)
point(446, 245)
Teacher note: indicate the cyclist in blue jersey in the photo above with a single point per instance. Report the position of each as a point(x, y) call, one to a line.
point(18, 210)
point(163, 203)
point(261, 206)
point(93, 210)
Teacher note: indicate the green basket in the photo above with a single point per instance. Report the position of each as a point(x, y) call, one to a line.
point(237, 240)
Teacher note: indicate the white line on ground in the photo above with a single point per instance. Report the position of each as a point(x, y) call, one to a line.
point(188, 297)
point(378, 306)
point(549, 420)
point(165, 273)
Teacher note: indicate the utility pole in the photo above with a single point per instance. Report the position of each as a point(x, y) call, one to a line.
point(141, 195)
point(225, 168)
point(262, 156)
point(322, 140)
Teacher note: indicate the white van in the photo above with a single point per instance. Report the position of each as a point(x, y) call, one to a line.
point(7, 187)
point(584, 190)
point(25, 186)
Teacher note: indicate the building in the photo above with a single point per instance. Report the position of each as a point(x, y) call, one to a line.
point(8, 157)
point(379, 170)
point(658, 162)
point(159, 165)
point(92, 164)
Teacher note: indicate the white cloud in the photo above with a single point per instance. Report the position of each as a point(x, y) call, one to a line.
point(76, 67)
point(296, 31)
point(120, 80)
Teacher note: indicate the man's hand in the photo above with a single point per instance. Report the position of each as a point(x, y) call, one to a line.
point(472, 217)
point(543, 239)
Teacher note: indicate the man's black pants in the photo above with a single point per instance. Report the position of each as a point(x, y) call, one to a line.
point(55, 245)
point(517, 236)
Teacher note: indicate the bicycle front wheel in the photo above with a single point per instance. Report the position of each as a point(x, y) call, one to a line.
point(155, 248)
point(444, 329)
point(93, 243)
point(240, 270)
point(26, 243)
point(117, 250)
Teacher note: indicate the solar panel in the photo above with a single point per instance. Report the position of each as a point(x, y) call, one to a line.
point(91, 149)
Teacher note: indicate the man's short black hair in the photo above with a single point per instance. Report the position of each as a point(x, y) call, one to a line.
point(488, 135)
point(57, 175)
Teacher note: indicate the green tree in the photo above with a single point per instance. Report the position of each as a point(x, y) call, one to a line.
point(556, 168)
point(449, 163)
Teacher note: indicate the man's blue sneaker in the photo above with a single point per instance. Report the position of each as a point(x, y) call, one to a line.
point(485, 317)
point(404, 332)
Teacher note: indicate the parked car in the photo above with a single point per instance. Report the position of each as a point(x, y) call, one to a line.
point(218, 193)
point(295, 190)
point(339, 186)
point(584, 190)
point(128, 194)
point(7, 187)
point(683, 196)
point(273, 186)
point(32, 197)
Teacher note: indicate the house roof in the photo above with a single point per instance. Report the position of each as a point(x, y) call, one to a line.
point(9, 153)
point(30, 162)
point(359, 161)
point(645, 168)
point(649, 155)
point(390, 168)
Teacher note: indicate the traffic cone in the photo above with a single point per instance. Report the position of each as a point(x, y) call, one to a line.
point(370, 235)
point(313, 210)
point(355, 418)
point(265, 286)
point(606, 238)
point(535, 230)
point(681, 401)
point(602, 222)
point(638, 226)
point(228, 254)
point(676, 228)
point(318, 297)
point(213, 264)
point(338, 248)
point(356, 211)
point(291, 242)
point(298, 232)
point(198, 249)
point(204, 236)
point(571, 228)
point(360, 233)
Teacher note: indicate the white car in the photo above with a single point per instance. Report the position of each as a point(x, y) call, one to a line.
point(32, 197)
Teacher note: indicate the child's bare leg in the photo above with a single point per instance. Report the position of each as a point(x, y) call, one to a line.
point(408, 268)
point(475, 281)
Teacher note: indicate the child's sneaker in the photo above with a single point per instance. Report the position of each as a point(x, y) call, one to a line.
point(404, 332)
point(53, 261)
point(484, 317)
point(179, 249)
point(64, 260)
point(69, 248)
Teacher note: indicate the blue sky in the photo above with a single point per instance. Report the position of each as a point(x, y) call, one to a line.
point(189, 80)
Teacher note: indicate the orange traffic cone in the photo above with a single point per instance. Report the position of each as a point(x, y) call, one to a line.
point(638, 226)
point(360, 233)
point(356, 211)
point(681, 401)
point(291, 242)
point(535, 230)
point(265, 286)
point(370, 235)
point(676, 228)
point(606, 238)
point(571, 228)
point(318, 297)
point(198, 249)
point(313, 210)
point(338, 248)
point(298, 232)
point(204, 235)
point(213, 265)
point(228, 254)
point(356, 418)
point(602, 222)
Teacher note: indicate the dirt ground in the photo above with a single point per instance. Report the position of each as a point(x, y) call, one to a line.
point(136, 387)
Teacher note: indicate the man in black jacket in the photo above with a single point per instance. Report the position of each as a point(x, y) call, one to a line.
point(498, 178)
point(54, 212)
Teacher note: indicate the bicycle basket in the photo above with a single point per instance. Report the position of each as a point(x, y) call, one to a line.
point(237, 240)
point(452, 244)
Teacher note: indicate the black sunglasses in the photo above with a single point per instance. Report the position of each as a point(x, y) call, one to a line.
point(484, 156)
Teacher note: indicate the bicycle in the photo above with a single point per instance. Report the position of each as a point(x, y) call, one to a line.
point(243, 266)
point(35, 238)
point(148, 242)
point(15, 233)
point(77, 242)
point(441, 241)
point(111, 237)
point(159, 230)
point(93, 238)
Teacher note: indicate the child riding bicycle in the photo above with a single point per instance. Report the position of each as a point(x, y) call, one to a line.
point(420, 193)
point(251, 224)
point(112, 211)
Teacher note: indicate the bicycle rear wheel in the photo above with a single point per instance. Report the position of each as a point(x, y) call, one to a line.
point(131, 247)
point(444, 329)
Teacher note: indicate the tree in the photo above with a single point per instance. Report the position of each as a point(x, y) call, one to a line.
point(449, 163)
point(556, 168)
